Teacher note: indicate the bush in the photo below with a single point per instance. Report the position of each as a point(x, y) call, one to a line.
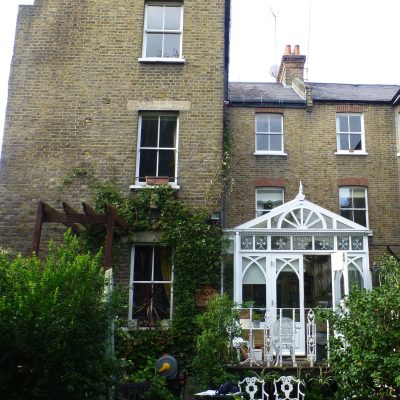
point(365, 356)
point(217, 325)
point(54, 326)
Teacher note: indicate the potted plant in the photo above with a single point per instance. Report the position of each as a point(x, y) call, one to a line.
point(257, 317)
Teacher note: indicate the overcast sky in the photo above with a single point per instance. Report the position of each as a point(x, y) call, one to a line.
point(345, 41)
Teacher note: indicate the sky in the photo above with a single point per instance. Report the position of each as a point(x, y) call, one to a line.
point(345, 41)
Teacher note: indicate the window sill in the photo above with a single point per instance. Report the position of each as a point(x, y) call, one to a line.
point(351, 153)
point(144, 186)
point(398, 154)
point(270, 153)
point(152, 60)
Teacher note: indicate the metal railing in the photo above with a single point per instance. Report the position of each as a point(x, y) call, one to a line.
point(271, 334)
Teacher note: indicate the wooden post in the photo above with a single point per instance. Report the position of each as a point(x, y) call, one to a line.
point(38, 228)
point(109, 237)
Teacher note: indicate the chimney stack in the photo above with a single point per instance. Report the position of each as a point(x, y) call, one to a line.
point(292, 65)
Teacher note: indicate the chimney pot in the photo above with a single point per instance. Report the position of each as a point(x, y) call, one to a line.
point(297, 50)
point(288, 49)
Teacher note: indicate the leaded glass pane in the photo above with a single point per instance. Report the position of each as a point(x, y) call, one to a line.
point(261, 242)
point(246, 243)
point(280, 243)
point(323, 243)
point(302, 243)
point(343, 243)
point(357, 243)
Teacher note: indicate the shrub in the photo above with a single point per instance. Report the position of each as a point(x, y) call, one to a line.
point(365, 355)
point(54, 325)
point(217, 325)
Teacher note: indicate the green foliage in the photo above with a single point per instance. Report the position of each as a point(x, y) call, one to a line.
point(365, 352)
point(196, 247)
point(137, 346)
point(217, 325)
point(140, 350)
point(159, 388)
point(321, 386)
point(54, 325)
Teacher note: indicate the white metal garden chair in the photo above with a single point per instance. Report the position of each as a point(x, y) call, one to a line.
point(253, 387)
point(288, 388)
point(284, 339)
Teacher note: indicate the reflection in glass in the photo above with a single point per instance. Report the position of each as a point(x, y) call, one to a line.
point(317, 281)
point(287, 290)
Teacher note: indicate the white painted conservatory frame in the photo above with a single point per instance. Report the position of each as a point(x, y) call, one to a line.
point(301, 222)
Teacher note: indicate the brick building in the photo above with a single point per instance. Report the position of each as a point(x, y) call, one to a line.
point(338, 142)
point(135, 90)
point(118, 90)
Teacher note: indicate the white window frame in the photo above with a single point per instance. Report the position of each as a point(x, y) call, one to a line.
point(362, 133)
point(354, 208)
point(174, 183)
point(164, 32)
point(131, 281)
point(271, 189)
point(271, 152)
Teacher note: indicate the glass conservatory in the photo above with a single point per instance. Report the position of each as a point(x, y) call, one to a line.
point(297, 257)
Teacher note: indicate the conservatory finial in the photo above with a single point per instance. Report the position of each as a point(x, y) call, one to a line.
point(300, 195)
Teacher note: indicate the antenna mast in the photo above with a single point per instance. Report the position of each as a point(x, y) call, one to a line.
point(275, 36)
point(308, 41)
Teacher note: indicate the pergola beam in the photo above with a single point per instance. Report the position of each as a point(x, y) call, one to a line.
point(71, 217)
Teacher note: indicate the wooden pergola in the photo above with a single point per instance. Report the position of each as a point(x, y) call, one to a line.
point(74, 220)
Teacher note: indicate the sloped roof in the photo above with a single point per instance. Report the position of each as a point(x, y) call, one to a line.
point(277, 93)
point(301, 215)
point(352, 92)
point(263, 92)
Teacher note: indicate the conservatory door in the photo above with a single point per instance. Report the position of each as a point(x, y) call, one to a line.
point(287, 295)
point(340, 278)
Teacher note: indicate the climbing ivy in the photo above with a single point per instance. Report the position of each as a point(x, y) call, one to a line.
point(196, 246)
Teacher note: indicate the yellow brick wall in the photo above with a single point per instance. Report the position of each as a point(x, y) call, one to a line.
point(310, 144)
point(74, 70)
